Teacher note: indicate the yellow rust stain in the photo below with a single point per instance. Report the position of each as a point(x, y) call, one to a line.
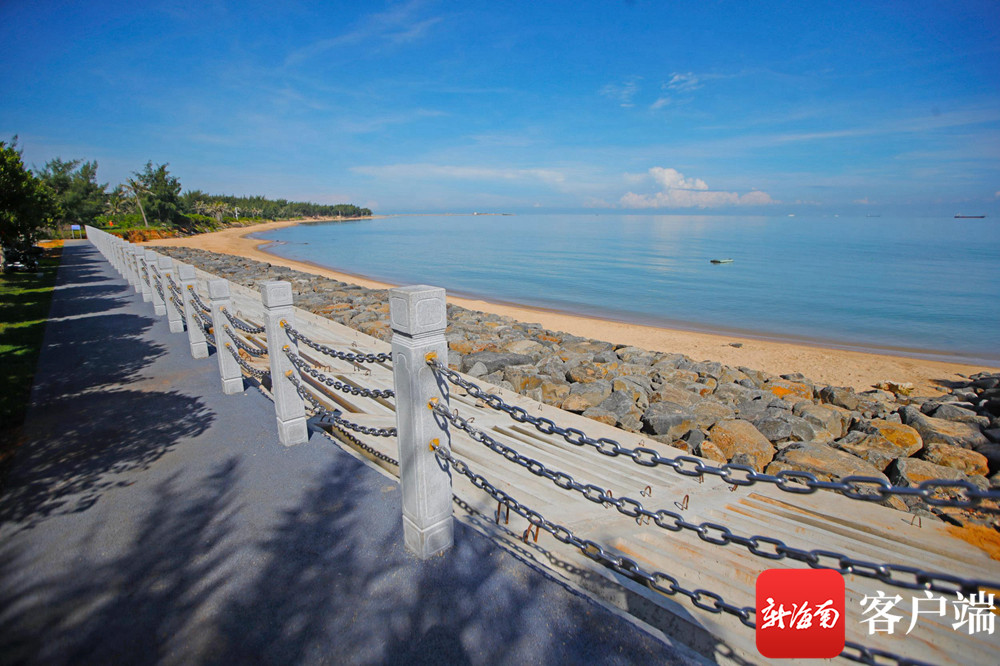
point(980, 536)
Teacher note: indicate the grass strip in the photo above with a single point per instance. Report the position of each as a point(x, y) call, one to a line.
point(24, 309)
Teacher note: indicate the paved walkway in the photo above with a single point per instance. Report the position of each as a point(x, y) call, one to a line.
point(151, 519)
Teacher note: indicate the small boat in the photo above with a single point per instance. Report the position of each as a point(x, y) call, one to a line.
point(722, 261)
point(969, 217)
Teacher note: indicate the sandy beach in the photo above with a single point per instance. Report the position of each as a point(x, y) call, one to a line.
point(859, 370)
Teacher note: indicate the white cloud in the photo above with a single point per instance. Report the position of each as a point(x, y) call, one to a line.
point(678, 191)
point(623, 93)
point(997, 194)
point(864, 201)
point(660, 103)
point(682, 82)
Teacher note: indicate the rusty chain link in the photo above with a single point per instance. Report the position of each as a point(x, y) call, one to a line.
point(241, 325)
point(868, 489)
point(256, 373)
point(197, 299)
point(325, 413)
point(720, 535)
point(305, 367)
point(239, 342)
point(330, 351)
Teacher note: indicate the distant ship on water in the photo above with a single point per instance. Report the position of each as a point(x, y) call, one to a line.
point(969, 217)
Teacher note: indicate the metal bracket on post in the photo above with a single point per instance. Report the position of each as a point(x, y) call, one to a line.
point(154, 260)
point(288, 407)
point(418, 316)
point(175, 310)
point(146, 260)
point(196, 333)
point(229, 369)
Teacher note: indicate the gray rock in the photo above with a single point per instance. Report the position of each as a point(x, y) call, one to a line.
point(496, 360)
point(775, 430)
point(667, 418)
point(945, 432)
point(839, 396)
point(620, 404)
point(583, 396)
point(478, 369)
point(953, 412)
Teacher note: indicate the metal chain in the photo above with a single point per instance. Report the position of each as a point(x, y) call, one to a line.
point(257, 373)
point(159, 290)
point(720, 535)
point(623, 565)
point(174, 289)
point(197, 299)
point(305, 367)
point(865, 488)
point(240, 325)
point(361, 445)
point(205, 319)
point(329, 351)
point(238, 341)
point(664, 583)
point(334, 417)
point(144, 274)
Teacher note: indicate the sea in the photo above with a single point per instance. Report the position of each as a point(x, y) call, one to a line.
point(926, 287)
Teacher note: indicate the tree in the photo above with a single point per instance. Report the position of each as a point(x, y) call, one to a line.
point(118, 202)
point(81, 199)
point(27, 205)
point(138, 190)
point(159, 191)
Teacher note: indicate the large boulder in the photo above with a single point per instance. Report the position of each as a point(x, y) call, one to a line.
point(951, 412)
point(871, 447)
point(964, 460)
point(913, 472)
point(671, 393)
point(554, 391)
point(840, 396)
point(522, 377)
point(783, 388)
point(905, 438)
point(621, 405)
point(736, 436)
point(636, 387)
point(495, 360)
point(934, 430)
point(590, 372)
point(823, 462)
point(668, 418)
point(825, 417)
point(583, 396)
point(707, 412)
point(530, 348)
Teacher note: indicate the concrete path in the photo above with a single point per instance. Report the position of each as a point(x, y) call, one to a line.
point(151, 519)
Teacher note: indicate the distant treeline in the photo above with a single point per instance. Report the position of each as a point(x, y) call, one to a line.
point(46, 201)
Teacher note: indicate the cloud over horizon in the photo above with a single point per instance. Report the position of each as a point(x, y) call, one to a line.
point(677, 191)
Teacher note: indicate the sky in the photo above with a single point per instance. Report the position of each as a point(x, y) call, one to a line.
point(436, 106)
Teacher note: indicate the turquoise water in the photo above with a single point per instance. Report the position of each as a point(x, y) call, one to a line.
point(929, 287)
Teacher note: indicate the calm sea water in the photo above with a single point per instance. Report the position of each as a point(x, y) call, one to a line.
point(923, 286)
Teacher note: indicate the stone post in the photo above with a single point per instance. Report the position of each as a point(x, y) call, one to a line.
point(288, 407)
point(418, 316)
point(146, 260)
point(154, 260)
point(136, 267)
point(175, 310)
point(196, 333)
point(116, 255)
point(229, 369)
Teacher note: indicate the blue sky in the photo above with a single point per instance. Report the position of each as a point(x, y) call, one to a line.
point(765, 107)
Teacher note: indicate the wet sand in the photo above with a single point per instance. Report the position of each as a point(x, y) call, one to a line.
point(840, 367)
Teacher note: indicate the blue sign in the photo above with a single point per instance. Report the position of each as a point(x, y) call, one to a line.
point(74, 227)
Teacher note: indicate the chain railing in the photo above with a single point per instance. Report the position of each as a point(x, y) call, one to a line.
point(720, 535)
point(864, 488)
point(242, 344)
point(656, 580)
point(197, 300)
point(241, 325)
point(334, 417)
point(310, 382)
point(297, 336)
point(312, 371)
point(256, 373)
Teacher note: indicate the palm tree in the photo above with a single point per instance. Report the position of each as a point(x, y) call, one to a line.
point(218, 210)
point(136, 188)
point(118, 202)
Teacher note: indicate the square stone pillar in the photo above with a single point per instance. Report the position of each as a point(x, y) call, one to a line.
point(418, 316)
point(196, 331)
point(288, 407)
point(229, 369)
point(175, 309)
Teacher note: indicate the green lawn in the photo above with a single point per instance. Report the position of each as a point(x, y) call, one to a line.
point(24, 308)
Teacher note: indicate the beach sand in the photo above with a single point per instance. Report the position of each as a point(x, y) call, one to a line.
point(860, 370)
